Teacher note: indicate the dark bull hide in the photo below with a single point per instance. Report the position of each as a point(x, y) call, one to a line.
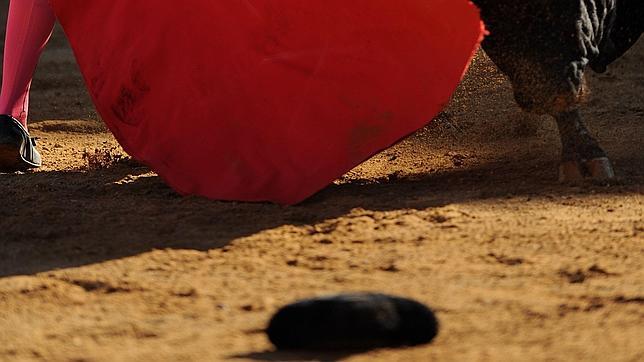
point(545, 46)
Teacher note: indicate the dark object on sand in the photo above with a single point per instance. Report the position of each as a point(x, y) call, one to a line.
point(352, 322)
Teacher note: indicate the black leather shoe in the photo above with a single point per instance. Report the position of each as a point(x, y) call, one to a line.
point(17, 150)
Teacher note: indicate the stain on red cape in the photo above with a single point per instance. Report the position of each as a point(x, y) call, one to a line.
point(267, 100)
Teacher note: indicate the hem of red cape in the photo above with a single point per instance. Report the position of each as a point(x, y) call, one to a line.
point(322, 185)
point(160, 170)
point(475, 49)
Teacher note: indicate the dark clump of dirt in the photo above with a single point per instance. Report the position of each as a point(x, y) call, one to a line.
point(103, 158)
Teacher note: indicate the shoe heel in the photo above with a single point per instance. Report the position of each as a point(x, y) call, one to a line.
point(9, 158)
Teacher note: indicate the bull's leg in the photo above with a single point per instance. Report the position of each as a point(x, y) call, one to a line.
point(581, 154)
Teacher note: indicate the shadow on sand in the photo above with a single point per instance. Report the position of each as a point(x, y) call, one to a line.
point(288, 356)
point(53, 220)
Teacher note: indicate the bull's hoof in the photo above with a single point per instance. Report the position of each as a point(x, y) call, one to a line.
point(600, 169)
point(597, 169)
point(570, 172)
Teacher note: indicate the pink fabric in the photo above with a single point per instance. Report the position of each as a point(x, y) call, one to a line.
point(29, 27)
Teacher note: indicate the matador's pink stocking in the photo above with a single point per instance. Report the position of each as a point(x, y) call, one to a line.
point(29, 27)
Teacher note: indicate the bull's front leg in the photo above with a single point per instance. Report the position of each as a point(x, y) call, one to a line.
point(582, 156)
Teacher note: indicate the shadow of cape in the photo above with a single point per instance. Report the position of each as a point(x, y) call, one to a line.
point(54, 220)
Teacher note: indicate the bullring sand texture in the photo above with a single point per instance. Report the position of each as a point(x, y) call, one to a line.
point(101, 261)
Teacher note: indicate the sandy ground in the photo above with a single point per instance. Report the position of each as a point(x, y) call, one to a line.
point(100, 261)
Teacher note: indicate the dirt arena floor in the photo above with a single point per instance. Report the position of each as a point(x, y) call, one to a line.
point(100, 261)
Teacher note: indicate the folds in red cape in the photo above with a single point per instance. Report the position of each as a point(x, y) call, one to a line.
point(266, 100)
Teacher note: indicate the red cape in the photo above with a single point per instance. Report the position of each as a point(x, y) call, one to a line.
point(267, 100)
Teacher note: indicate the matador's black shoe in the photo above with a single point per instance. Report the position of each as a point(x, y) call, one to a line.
point(17, 150)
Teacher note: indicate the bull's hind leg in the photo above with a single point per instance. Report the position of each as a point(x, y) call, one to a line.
point(581, 154)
